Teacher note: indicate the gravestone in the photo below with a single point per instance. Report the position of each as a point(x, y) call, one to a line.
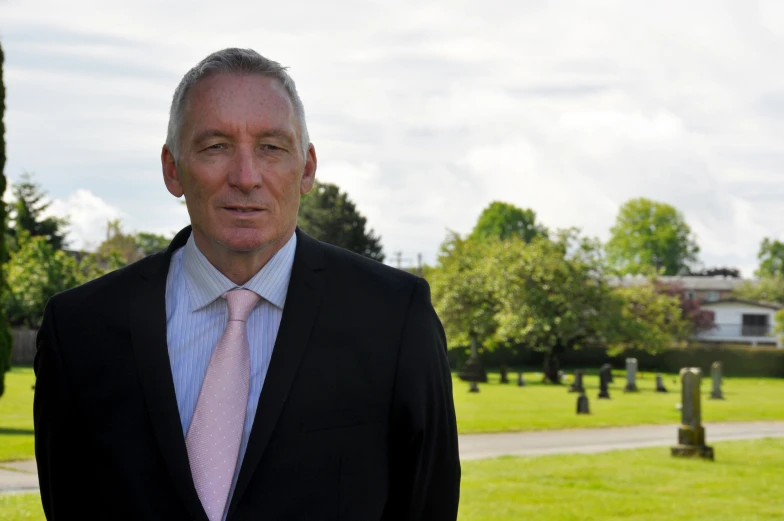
point(716, 393)
point(520, 379)
point(473, 372)
point(504, 370)
point(577, 385)
point(561, 376)
point(660, 384)
point(631, 375)
point(582, 404)
point(691, 434)
point(608, 368)
point(605, 377)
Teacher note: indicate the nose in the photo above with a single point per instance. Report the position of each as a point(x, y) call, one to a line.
point(245, 173)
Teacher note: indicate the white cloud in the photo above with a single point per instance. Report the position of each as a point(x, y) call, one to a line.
point(87, 215)
point(426, 112)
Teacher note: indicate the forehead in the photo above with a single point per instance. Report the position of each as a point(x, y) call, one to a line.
point(247, 100)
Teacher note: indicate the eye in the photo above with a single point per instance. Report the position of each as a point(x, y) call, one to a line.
point(270, 147)
point(216, 146)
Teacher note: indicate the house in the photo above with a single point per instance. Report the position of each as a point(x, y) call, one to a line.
point(741, 322)
point(737, 321)
point(704, 289)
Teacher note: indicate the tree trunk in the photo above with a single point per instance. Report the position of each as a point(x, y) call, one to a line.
point(552, 368)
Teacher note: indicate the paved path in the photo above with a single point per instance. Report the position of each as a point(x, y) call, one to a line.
point(22, 477)
point(588, 441)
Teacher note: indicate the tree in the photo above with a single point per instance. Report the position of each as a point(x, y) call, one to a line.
point(5, 328)
point(461, 292)
point(649, 236)
point(696, 318)
point(650, 319)
point(27, 214)
point(329, 215)
point(462, 296)
point(36, 272)
point(119, 248)
point(503, 221)
point(771, 257)
point(149, 243)
point(553, 294)
point(727, 273)
point(768, 289)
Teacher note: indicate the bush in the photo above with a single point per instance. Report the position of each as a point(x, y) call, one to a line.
point(737, 360)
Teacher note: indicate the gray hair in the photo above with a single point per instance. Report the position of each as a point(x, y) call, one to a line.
point(231, 61)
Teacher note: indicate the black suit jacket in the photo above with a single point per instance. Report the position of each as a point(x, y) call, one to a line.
point(355, 420)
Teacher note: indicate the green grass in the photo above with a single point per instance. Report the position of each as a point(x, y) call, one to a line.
point(743, 484)
point(16, 415)
point(497, 408)
point(506, 407)
point(19, 507)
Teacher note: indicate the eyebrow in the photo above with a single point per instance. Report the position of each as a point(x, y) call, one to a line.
point(213, 133)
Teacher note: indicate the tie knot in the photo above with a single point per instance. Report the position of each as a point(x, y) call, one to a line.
point(241, 303)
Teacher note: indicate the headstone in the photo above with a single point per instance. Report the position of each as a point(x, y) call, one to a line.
point(605, 377)
point(561, 376)
point(716, 393)
point(608, 368)
point(582, 404)
point(577, 385)
point(520, 379)
point(504, 374)
point(691, 434)
point(660, 384)
point(473, 372)
point(631, 375)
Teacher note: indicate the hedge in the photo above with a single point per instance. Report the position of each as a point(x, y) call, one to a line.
point(737, 360)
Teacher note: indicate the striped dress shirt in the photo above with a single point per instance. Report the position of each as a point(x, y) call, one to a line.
point(196, 317)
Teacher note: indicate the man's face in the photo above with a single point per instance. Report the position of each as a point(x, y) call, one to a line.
point(241, 165)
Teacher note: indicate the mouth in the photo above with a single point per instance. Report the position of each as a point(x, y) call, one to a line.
point(246, 211)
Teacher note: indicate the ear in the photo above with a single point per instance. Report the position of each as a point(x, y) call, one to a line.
point(170, 175)
point(309, 175)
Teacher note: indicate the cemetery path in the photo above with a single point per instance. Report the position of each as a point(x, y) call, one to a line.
point(589, 441)
point(20, 476)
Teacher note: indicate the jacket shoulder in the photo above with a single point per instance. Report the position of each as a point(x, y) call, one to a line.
point(367, 271)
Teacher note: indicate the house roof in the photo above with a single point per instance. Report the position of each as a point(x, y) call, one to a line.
point(689, 283)
point(765, 305)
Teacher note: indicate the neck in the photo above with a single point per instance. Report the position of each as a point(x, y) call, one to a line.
point(238, 266)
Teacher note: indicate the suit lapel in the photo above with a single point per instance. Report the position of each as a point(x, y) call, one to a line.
point(148, 333)
point(303, 298)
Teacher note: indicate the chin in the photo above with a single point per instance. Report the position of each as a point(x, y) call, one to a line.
point(248, 239)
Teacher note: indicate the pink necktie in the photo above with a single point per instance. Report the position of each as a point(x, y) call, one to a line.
point(215, 433)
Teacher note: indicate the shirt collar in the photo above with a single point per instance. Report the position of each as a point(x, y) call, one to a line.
point(205, 283)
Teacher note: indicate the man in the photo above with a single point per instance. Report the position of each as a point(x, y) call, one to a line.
point(248, 371)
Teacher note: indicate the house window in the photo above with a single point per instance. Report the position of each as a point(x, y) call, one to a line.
point(755, 325)
point(690, 295)
point(712, 296)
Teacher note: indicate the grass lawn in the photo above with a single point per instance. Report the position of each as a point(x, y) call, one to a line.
point(498, 407)
point(506, 407)
point(16, 415)
point(743, 484)
point(19, 507)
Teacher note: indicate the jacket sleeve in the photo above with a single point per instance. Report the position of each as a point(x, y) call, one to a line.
point(64, 468)
point(424, 458)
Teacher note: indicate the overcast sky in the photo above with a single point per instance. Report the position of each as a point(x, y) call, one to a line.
point(425, 112)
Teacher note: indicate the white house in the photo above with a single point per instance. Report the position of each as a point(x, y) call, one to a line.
point(741, 322)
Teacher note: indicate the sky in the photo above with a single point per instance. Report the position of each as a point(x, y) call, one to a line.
point(425, 112)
